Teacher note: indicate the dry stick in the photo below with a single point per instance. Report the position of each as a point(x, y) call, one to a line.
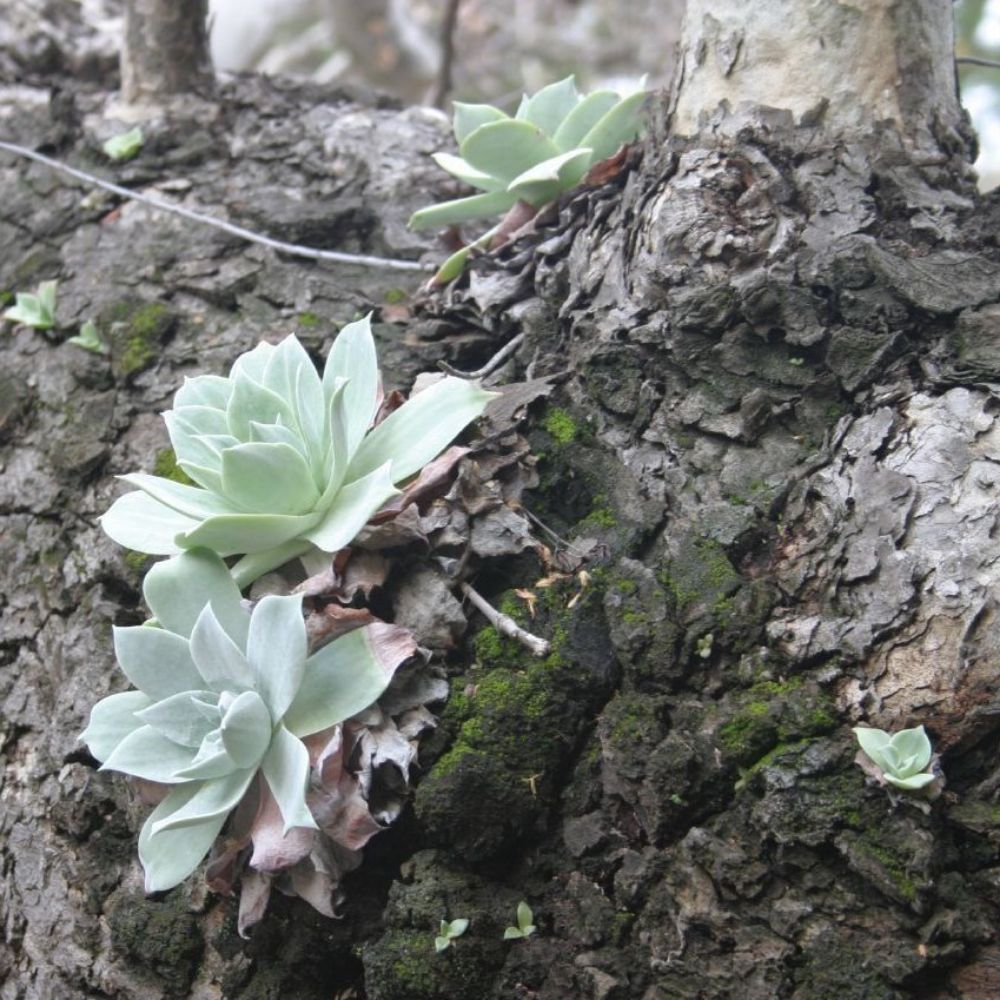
point(443, 85)
point(294, 249)
point(506, 625)
point(491, 366)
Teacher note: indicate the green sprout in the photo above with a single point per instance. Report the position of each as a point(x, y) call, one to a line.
point(90, 339)
point(703, 647)
point(525, 928)
point(450, 930)
point(125, 146)
point(38, 310)
point(902, 757)
point(547, 148)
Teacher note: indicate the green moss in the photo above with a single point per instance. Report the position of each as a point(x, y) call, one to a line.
point(308, 320)
point(601, 517)
point(394, 296)
point(561, 426)
point(165, 465)
point(135, 331)
point(136, 561)
point(893, 867)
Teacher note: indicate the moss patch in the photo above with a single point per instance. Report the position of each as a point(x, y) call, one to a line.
point(561, 427)
point(135, 331)
point(165, 465)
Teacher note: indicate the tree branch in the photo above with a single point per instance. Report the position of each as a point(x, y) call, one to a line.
point(442, 86)
point(506, 625)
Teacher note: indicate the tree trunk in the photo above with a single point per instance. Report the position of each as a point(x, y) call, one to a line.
point(772, 428)
point(165, 50)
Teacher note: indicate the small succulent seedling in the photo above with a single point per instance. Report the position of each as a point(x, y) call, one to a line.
point(547, 148)
point(89, 338)
point(123, 147)
point(38, 310)
point(286, 462)
point(450, 929)
point(525, 927)
point(902, 757)
point(703, 647)
point(222, 696)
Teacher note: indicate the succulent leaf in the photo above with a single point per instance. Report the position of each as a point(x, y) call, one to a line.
point(468, 117)
point(451, 213)
point(548, 108)
point(583, 118)
point(156, 661)
point(548, 179)
point(505, 149)
point(901, 757)
point(281, 455)
point(112, 719)
point(619, 125)
point(457, 167)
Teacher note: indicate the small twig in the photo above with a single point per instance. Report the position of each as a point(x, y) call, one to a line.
point(558, 539)
point(506, 625)
point(442, 87)
point(976, 61)
point(294, 249)
point(491, 366)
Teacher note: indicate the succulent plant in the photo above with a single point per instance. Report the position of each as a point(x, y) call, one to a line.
point(555, 137)
point(448, 932)
point(525, 924)
point(286, 462)
point(902, 757)
point(38, 310)
point(223, 695)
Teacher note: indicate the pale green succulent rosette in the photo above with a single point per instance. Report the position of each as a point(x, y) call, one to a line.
point(902, 757)
point(222, 695)
point(284, 461)
point(555, 137)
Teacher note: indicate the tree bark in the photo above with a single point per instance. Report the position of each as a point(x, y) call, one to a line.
point(165, 50)
point(768, 417)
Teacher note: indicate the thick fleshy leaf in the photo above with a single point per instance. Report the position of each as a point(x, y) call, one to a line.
point(420, 429)
point(347, 676)
point(211, 762)
point(232, 534)
point(143, 524)
point(170, 856)
point(286, 770)
point(353, 358)
point(212, 798)
point(505, 149)
point(145, 753)
point(178, 719)
point(549, 107)
point(178, 589)
point(111, 720)
point(268, 479)
point(252, 401)
point(255, 565)
point(338, 449)
point(912, 783)
point(276, 434)
point(276, 651)
point(468, 117)
point(191, 501)
point(873, 742)
point(547, 180)
point(203, 390)
point(583, 118)
point(456, 166)
point(353, 505)
point(254, 362)
point(219, 660)
point(914, 749)
point(192, 450)
point(246, 729)
point(620, 125)
point(156, 661)
point(450, 213)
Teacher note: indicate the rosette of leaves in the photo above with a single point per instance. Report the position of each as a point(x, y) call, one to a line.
point(224, 696)
point(555, 137)
point(285, 462)
point(902, 757)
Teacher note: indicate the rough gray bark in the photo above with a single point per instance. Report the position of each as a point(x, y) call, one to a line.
point(165, 50)
point(775, 434)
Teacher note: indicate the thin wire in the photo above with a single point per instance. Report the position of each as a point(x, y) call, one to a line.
point(293, 249)
point(976, 61)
